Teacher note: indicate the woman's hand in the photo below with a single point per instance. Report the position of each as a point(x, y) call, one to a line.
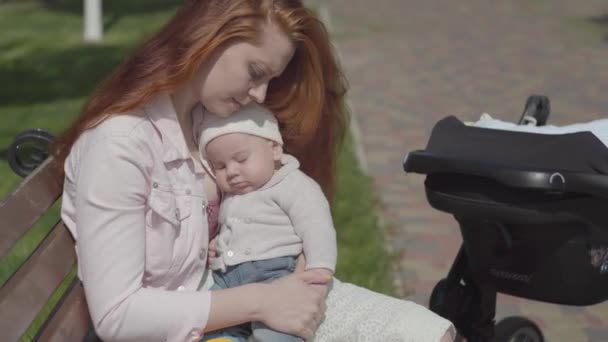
point(291, 305)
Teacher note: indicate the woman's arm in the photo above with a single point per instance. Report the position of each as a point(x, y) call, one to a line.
point(110, 201)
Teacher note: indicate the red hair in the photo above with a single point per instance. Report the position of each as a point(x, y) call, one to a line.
point(308, 97)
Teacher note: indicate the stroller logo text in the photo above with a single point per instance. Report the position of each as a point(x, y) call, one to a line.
point(599, 258)
point(524, 278)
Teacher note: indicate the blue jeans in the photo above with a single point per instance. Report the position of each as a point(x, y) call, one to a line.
point(261, 271)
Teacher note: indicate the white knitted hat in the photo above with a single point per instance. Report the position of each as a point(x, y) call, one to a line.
point(251, 119)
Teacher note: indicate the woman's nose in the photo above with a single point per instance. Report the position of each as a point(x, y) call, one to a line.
point(258, 93)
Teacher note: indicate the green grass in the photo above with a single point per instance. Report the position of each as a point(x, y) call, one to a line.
point(47, 72)
point(362, 258)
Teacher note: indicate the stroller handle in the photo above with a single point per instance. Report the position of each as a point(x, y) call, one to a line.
point(423, 162)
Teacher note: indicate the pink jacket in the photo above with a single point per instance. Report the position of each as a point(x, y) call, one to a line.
point(134, 201)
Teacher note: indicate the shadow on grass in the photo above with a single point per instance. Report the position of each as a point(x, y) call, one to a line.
point(114, 10)
point(118, 7)
point(602, 21)
point(54, 75)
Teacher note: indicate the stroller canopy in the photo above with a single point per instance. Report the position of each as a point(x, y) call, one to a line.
point(574, 162)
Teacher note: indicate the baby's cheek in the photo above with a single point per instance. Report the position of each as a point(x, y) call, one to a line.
point(222, 182)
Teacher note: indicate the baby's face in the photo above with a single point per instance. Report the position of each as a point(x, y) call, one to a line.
point(241, 162)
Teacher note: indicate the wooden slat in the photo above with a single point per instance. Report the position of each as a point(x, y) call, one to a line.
point(28, 290)
point(27, 203)
point(71, 322)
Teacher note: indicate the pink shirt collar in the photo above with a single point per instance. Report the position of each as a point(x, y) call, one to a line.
point(164, 118)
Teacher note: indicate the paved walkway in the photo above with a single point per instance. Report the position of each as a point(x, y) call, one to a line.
point(411, 63)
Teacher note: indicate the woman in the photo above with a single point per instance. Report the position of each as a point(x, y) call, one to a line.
point(136, 194)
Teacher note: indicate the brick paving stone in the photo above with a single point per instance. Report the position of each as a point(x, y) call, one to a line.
point(411, 63)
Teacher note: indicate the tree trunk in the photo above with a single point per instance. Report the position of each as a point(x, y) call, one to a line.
point(93, 24)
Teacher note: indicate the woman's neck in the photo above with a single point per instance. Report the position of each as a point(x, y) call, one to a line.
point(183, 103)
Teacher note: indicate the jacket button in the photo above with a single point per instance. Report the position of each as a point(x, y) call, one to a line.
point(230, 254)
point(155, 185)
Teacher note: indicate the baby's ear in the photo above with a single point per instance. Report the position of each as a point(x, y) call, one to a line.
point(277, 150)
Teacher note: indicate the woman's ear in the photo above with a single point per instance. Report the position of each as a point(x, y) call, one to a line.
point(277, 150)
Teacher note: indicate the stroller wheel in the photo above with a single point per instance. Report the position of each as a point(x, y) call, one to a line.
point(517, 329)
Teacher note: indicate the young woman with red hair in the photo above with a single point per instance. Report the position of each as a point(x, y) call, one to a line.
point(136, 192)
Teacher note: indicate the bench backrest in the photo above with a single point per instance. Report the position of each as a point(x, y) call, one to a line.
point(47, 274)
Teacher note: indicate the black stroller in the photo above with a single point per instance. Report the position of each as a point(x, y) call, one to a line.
point(532, 214)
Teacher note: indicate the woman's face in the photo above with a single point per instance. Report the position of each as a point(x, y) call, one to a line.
point(239, 73)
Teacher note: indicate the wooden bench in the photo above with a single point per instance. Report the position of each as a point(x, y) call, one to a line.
point(51, 266)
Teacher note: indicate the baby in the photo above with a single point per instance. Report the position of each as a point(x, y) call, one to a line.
point(271, 211)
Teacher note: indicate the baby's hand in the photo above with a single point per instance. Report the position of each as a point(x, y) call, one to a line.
point(212, 251)
point(322, 289)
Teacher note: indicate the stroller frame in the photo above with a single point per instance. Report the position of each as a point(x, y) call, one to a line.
point(467, 296)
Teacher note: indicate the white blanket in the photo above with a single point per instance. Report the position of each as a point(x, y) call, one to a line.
point(358, 314)
point(598, 127)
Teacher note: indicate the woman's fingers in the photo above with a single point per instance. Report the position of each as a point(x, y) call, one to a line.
point(213, 245)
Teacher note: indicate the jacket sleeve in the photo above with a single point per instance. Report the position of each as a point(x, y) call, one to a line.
point(111, 193)
point(310, 215)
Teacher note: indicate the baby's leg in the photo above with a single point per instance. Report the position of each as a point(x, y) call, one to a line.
point(239, 333)
point(267, 271)
point(262, 333)
point(223, 337)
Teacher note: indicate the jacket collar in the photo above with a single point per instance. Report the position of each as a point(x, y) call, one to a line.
point(289, 164)
point(162, 114)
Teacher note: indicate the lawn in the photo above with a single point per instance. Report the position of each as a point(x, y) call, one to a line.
point(47, 72)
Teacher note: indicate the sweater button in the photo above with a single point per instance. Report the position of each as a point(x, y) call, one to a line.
point(230, 254)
